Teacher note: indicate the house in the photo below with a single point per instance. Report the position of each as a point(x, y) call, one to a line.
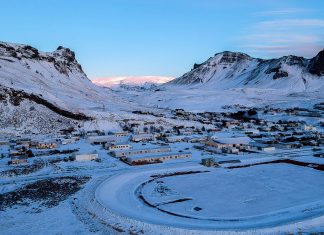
point(131, 152)
point(102, 139)
point(19, 159)
point(185, 132)
point(228, 144)
point(157, 158)
point(309, 128)
point(46, 145)
point(194, 139)
point(81, 157)
point(262, 147)
point(142, 137)
point(175, 138)
point(67, 141)
point(118, 146)
point(120, 134)
point(232, 150)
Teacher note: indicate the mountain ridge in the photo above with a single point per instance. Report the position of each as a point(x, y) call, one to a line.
point(55, 76)
point(235, 69)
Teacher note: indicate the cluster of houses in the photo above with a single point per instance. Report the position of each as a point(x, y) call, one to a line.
point(265, 135)
point(119, 145)
point(20, 149)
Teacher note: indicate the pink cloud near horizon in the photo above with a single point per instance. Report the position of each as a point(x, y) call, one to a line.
point(136, 80)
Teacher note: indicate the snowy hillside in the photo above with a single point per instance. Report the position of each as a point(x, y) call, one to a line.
point(228, 70)
point(53, 84)
point(55, 76)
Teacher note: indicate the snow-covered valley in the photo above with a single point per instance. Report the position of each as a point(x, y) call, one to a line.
point(233, 146)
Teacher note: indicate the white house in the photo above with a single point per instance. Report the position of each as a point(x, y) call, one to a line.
point(81, 157)
point(309, 128)
point(157, 158)
point(262, 147)
point(102, 139)
point(118, 146)
point(67, 141)
point(142, 137)
point(121, 134)
point(131, 152)
point(46, 145)
point(175, 138)
point(229, 144)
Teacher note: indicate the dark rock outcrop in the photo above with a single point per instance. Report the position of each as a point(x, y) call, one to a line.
point(316, 65)
point(16, 97)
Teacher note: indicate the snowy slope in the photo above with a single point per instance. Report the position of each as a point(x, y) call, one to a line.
point(228, 70)
point(55, 76)
point(53, 85)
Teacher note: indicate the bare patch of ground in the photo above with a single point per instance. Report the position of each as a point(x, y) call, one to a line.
point(47, 192)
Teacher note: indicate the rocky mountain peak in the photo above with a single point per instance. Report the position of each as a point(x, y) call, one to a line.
point(65, 52)
point(316, 65)
point(232, 57)
point(62, 58)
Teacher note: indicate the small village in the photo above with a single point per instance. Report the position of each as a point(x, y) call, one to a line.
point(219, 138)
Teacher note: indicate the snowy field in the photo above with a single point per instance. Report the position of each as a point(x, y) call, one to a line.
point(246, 198)
point(207, 99)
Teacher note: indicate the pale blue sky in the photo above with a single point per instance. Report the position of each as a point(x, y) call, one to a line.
point(163, 37)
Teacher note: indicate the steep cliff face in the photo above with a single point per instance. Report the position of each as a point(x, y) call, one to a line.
point(316, 65)
point(236, 70)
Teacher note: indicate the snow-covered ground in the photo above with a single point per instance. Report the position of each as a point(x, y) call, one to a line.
point(208, 99)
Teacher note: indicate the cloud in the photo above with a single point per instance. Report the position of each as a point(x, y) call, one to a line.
point(288, 23)
point(283, 12)
point(301, 49)
point(113, 81)
point(284, 36)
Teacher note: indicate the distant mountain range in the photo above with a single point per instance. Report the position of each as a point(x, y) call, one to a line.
point(228, 70)
point(130, 80)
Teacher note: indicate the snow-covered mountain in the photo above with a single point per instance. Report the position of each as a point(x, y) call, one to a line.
point(48, 85)
point(238, 70)
point(55, 76)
